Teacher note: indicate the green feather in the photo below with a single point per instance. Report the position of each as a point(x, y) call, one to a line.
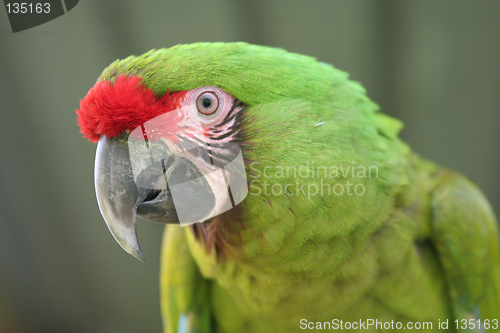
point(420, 243)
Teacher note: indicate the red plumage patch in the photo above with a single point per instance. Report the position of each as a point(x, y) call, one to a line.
point(110, 109)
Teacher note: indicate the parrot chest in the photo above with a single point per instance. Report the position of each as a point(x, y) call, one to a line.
point(409, 286)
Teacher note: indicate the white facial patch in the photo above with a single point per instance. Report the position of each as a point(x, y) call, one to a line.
point(181, 134)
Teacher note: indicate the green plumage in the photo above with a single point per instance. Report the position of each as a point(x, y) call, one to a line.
point(420, 244)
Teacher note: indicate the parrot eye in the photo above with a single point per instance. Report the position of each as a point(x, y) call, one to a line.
point(207, 103)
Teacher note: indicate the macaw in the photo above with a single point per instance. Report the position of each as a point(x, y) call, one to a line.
point(338, 224)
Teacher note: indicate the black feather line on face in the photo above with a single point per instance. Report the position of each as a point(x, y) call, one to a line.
point(213, 233)
point(223, 136)
point(219, 154)
point(242, 136)
point(229, 115)
point(238, 128)
point(234, 130)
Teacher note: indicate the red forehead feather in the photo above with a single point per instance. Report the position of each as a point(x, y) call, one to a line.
point(110, 109)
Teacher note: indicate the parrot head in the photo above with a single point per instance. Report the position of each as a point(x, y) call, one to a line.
point(177, 130)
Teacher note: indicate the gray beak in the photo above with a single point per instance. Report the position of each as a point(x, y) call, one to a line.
point(117, 194)
point(121, 196)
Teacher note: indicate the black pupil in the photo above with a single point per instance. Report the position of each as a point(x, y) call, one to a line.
point(206, 102)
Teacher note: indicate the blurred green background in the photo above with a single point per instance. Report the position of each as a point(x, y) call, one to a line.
point(434, 64)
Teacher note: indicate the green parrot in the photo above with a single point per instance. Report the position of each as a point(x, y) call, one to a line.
point(338, 224)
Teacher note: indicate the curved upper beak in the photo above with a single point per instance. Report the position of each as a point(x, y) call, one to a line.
point(122, 195)
point(117, 193)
